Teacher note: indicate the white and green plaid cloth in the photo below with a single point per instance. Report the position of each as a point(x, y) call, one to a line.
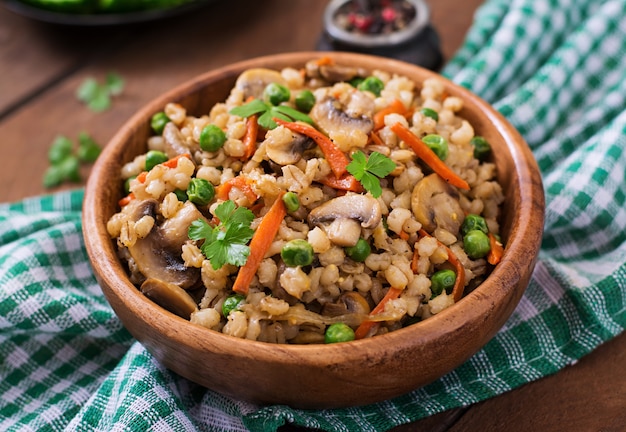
point(554, 68)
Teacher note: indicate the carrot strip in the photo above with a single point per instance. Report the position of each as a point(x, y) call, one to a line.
point(173, 162)
point(141, 177)
point(249, 139)
point(325, 60)
point(239, 182)
point(459, 283)
point(497, 250)
point(337, 159)
point(261, 242)
point(404, 235)
point(395, 107)
point(428, 156)
point(347, 182)
point(126, 200)
point(364, 328)
point(376, 140)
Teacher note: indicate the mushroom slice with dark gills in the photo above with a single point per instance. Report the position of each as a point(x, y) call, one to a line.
point(158, 255)
point(349, 302)
point(354, 111)
point(285, 147)
point(343, 217)
point(252, 82)
point(169, 296)
point(435, 204)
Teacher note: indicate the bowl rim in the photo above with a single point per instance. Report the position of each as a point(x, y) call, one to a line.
point(499, 288)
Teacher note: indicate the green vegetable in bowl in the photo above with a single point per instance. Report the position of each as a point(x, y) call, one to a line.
point(474, 222)
point(212, 138)
point(360, 251)
point(298, 252)
point(153, 158)
point(442, 280)
point(482, 149)
point(158, 122)
point(305, 101)
point(338, 332)
point(437, 144)
point(476, 244)
point(200, 191)
point(232, 303)
point(371, 84)
point(276, 94)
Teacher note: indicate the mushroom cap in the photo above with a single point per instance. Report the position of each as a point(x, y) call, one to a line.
point(331, 115)
point(435, 203)
point(252, 82)
point(158, 255)
point(362, 208)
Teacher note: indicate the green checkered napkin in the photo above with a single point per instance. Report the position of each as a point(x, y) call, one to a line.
point(554, 68)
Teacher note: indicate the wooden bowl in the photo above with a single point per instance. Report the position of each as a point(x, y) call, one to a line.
point(334, 375)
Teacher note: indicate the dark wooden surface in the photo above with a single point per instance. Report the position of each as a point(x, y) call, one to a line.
point(42, 65)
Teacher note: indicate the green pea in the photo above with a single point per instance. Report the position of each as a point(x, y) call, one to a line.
point(127, 184)
point(482, 148)
point(438, 144)
point(474, 222)
point(429, 112)
point(292, 202)
point(305, 101)
point(338, 332)
point(232, 303)
point(372, 84)
point(476, 244)
point(153, 158)
point(181, 195)
point(60, 148)
point(212, 138)
point(442, 280)
point(276, 94)
point(88, 148)
point(158, 122)
point(200, 191)
point(354, 82)
point(360, 251)
point(298, 252)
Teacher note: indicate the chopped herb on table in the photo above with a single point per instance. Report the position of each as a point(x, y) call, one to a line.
point(66, 158)
point(97, 96)
point(370, 170)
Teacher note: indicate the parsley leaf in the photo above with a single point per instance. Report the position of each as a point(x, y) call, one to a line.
point(268, 112)
point(66, 159)
point(370, 170)
point(228, 241)
point(97, 96)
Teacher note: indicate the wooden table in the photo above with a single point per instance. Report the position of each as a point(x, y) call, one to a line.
point(41, 66)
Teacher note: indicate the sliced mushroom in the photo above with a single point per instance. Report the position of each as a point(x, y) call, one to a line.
point(158, 255)
point(348, 302)
point(175, 142)
point(169, 296)
point(285, 147)
point(331, 115)
point(362, 208)
point(333, 73)
point(436, 204)
point(252, 82)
